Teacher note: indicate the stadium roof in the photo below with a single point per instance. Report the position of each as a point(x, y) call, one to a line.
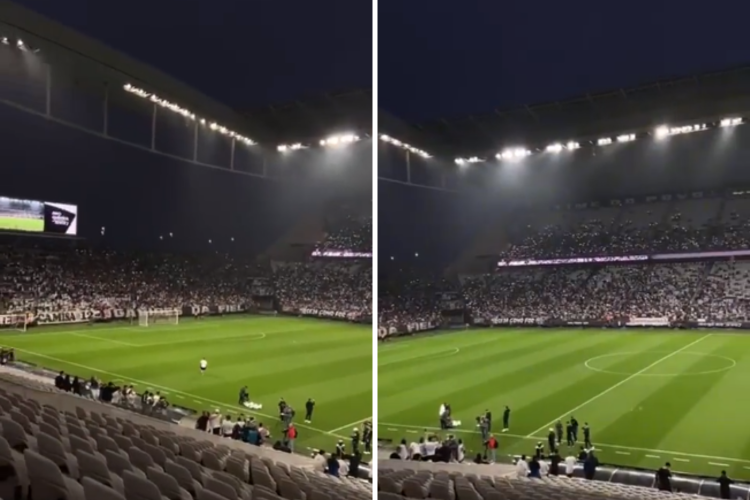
point(312, 118)
point(316, 117)
point(669, 101)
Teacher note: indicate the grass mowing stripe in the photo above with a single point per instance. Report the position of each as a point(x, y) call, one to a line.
point(618, 384)
point(197, 399)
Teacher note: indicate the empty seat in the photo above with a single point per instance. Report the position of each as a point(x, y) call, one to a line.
point(95, 490)
point(183, 478)
point(14, 478)
point(53, 449)
point(92, 467)
point(167, 485)
point(48, 482)
point(139, 488)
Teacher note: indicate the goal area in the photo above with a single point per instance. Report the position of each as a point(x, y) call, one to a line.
point(14, 322)
point(158, 317)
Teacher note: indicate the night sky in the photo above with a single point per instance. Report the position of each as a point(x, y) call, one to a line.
point(244, 54)
point(449, 59)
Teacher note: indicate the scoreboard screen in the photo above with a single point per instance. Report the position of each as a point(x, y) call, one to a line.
point(32, 216)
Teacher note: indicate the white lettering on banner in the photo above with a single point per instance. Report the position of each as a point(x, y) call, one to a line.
point(422, 326)
point(86, 315)
point(664, 321)
point(517, 321)
point(326, 313)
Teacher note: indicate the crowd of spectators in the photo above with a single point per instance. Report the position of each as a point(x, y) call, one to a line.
point(351, 233)
point(58, 278)
point(690, 225)
point(588, 293)
point(408, 297)
point(705, 290)
point(326, 284)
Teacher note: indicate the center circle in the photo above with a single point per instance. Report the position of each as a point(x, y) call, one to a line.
point(727, 362)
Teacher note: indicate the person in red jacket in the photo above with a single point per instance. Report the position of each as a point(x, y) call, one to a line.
point(492, 445)
point(291, 436)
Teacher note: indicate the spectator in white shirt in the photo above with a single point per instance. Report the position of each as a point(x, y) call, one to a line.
point(570, 465)
point(522, 467)
point(321, 461)
point(227, 426)
point(415, 451)
point(543, 468)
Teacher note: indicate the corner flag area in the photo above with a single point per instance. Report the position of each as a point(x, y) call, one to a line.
point(649, 396)
point(275, 357)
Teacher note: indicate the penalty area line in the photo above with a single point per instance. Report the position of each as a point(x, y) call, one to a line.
point(348, 426)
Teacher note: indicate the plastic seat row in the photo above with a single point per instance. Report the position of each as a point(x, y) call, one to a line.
point(140, 459)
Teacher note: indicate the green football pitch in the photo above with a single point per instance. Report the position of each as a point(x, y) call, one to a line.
point(275, 357)
point(21, 224)
point(649, 396)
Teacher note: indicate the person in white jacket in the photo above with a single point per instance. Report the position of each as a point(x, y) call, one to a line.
point(522, 467)
point(570, 465)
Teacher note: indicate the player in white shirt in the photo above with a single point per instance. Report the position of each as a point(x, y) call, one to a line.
point(204, 365)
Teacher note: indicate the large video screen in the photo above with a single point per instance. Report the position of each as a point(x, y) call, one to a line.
point(33, 216)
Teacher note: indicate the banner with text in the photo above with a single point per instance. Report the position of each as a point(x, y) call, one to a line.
point(405, 329)
point(103, 315)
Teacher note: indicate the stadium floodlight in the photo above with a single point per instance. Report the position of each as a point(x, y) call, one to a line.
point(661, 132)
point(664, 131)
point(730, 122)
point(572, 145)
point(403, 145)
point(20, 44)
point(625, 137)
point(467, 161)
point(176, 108)
point(513, 154)
point(555, 148)
point(290, 147)
point(339, 140)
point(604, 141)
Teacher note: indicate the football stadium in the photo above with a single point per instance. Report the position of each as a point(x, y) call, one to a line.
point(190, 317)
point(574, 303)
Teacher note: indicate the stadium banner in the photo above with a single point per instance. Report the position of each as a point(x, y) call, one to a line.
point(342, 254)
point(328, 314)
point(104, 315)
point(517, 321)
point(573, 261)
point(653, 322)
point(405, 329)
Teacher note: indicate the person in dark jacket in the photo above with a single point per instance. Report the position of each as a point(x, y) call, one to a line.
point(590, 465)
point(725, 484)
point(664, 477)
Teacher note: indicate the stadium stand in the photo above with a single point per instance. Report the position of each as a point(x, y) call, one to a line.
point(55, 445)
point(58, 278)
point(417, 480)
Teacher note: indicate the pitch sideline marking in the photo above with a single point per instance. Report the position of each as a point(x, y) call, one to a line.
point(333, 431)
point(618, 384)
point(197, 399)
point(603, 445)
